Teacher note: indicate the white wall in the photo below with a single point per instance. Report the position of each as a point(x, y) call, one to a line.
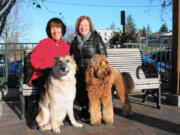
point(106, 34)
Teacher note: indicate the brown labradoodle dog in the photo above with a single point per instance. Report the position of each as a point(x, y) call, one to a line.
point(100, 78)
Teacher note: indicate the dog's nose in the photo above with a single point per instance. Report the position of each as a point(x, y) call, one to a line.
point(63, 68)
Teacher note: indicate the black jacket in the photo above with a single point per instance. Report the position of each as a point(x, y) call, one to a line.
point(94, 45)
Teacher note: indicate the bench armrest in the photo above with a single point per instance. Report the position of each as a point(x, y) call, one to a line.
point(138, 70)
point(150, 71)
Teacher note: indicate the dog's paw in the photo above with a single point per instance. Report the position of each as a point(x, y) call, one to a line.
point(56, 130)
point(96, 123)
point(127, 110)
point(41, 129)
point(76, 124)
point(62, 124)
point(128, 114)
point(108, 121)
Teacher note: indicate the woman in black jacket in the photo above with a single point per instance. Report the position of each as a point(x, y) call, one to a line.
point(85, 45)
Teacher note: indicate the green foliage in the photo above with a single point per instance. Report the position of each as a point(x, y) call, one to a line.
point(148, 31)
point(143, 32)
point(129, 36)
point(130, 31)
point(115, 38)
point(163, 28)
point(130, 26)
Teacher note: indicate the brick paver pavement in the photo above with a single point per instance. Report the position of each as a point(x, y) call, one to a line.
point(146, 120)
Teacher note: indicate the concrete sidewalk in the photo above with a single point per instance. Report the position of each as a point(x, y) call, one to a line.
point(146, 120)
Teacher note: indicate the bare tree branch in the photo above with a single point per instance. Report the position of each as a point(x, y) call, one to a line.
point(5, 8)
point(3, 4)
point(15, 28)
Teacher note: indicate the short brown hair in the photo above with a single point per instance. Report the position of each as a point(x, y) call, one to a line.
point(80, 19)
point(57, 22)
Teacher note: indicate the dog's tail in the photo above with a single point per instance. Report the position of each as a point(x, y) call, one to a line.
point(128, 81)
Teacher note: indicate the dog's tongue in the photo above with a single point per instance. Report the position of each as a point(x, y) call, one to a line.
point(64, 73)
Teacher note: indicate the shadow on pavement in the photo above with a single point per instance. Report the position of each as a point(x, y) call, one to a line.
point(153, 122)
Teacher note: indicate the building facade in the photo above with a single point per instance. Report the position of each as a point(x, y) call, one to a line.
point(106, 34)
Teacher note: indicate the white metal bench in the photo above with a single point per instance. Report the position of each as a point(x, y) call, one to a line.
point(130, 60)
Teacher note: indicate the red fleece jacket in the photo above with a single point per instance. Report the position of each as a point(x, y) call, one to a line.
point(43, 55)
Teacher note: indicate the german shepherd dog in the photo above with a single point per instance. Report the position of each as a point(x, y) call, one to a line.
point(57, 100)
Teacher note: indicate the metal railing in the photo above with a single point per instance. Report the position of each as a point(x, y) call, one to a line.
point(11, 60)
point(158, 55)
point(12, 56)
point(157, 52)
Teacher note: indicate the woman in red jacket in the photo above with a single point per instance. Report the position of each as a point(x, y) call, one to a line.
point(43, 56)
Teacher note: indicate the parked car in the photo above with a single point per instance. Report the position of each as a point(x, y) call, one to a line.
point(14, 67)
point(13, 73)
point(161, 59)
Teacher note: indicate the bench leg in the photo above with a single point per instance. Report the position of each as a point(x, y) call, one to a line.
point(148, 92)
point(22, 100)
point(157, 98)
point(145, 96)
point(1, 107)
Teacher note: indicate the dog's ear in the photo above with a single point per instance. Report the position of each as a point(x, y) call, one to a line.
point(72, 56)
point(90, 71)
point(107, 72)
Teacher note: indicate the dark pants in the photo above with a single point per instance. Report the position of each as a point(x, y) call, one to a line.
point(82, 97)
point(39, 83)
point(81, 93)
point(41, 90)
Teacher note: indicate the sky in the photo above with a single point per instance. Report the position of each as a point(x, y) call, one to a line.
point(102, 13)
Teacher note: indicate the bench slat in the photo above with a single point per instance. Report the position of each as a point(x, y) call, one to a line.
point(145, 86)
point(127, 60)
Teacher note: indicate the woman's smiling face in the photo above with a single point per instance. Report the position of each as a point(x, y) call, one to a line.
point(84, 27)
point(56, 32)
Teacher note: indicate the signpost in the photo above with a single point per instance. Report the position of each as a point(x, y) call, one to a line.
point(123, 22)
